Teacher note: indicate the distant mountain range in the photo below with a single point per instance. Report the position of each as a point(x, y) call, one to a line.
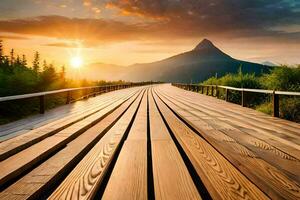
point(204, 61)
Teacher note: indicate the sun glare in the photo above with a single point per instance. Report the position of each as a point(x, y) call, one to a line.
point(76, 62)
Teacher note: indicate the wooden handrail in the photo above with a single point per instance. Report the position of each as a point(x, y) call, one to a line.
point(37, 94)
point(41, 95)
point(244, 89)
point(274, 93)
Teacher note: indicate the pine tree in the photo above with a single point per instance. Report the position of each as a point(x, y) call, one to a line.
point(1, 52)
point(12, 57)
point(18, 61)
point(63, 72)
point(24, 61)
point(36, 62)
point(45, 65)
point(63, 75)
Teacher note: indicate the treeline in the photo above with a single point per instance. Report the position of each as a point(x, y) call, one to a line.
point(17, 76)
point(283, 78)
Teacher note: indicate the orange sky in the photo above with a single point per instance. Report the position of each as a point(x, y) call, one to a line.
point(126, 32)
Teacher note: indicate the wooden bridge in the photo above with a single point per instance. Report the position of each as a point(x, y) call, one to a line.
point(151, 142)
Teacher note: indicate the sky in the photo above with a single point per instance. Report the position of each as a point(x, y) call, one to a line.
point(125, 32)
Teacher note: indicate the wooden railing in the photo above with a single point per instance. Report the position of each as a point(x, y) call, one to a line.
point(214, 89)
point(87, 92)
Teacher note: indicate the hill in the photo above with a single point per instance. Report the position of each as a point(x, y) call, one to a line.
point(204, 61)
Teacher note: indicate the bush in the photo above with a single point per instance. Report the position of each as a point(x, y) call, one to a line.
point(282, 78)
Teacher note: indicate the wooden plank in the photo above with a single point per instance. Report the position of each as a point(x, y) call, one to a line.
point(24, 160)
point(171, 177)
point(129, 177)
point(257, 117)
point(158, 130)
point(14, 145)
point(43, 177)
point(220, 177)
point(84, 180)
point(281, 141)
point(8, 131)
point(269, 179)
point(138, 130)
point(284, 142)
point(132, 161)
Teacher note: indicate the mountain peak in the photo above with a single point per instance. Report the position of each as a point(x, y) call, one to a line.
point(204, 44)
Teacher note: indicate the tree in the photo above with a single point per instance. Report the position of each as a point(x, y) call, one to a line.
point(36, 62)
point(24, 61)
point(12, 57)
point(1, 52)
point(45, 65)
point(18, 61)
point(63, 74)
point(48, 76)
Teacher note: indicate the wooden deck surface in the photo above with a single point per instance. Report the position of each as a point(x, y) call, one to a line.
point(150, 142)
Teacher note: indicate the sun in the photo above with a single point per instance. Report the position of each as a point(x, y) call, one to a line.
point(76, 62)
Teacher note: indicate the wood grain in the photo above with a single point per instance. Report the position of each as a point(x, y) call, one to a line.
point(158, 130)
point(15, 145)
point(281, 141)
point(24, 160)
point(248, 137)
point(237, 152)
point(29, 123)
point(222, 179)
point(271, 180)
point(128, 180)
point(84, 180)
point(138, 130)
point(171, 177)
point(246, 114)
point(44, 176)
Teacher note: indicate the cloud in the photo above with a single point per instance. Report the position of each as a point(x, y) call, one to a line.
point(170, 20)
point(72, 44)
point(249, 18)
point(63, 44)
point(12, 37)
point(98, 30)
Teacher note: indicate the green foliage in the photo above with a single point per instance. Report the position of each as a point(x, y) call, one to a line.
point(36, 63)
point(16, 77)
point(265, 108)
point(282, 78)
point(290, 108)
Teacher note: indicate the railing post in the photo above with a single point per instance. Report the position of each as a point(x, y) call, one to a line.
point(275, 104)
point(201, 89)
point(243, 102)
point(68, 97)
point(227, 95)
point(212, 90)
point(217, 92)
point(207, 88)
point(42, 104)
point(85, 95)
point(197, 88)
